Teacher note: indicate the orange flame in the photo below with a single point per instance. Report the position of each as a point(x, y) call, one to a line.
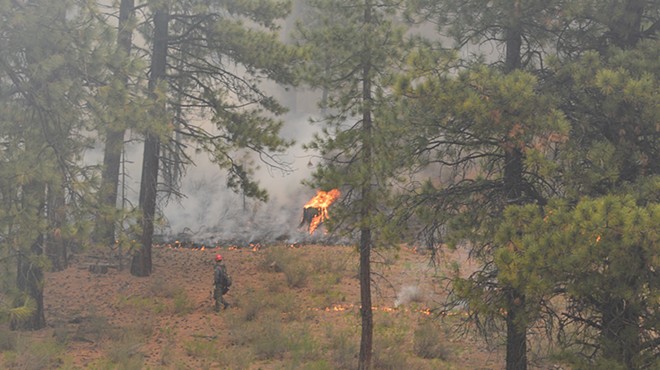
point(347, 307)
point(321, 202)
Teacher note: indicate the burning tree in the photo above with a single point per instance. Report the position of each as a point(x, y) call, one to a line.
point(353, 47)
point(316, 210)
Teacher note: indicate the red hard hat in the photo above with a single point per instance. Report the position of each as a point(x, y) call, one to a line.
point(218, 258)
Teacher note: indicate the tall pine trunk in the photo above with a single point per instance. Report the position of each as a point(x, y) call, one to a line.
point(626, 28)
point(516, 328)
point(366, 312)
point(141, 263)
point(626, 32)
point(29, 272)
point(106, 221)
point(30, 281)
point(620, 332)
point(366, 340)
point(516, 332)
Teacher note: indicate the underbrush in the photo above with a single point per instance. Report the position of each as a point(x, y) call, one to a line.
point(29, 353)
point(274, 326)
point(284, 319)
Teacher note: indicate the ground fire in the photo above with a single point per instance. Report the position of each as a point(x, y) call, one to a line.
point(316, 210)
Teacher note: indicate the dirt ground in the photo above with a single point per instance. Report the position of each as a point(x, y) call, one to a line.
point(83, 306)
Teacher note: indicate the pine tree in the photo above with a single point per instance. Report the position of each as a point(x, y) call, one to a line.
point(203, 45)
point(613, 245)
point(469, 124)
point(141, 264)
point(599, 257)
point(353, 49)
point(126, 102)
point(599, 67)
point(53, 57)
point(492, 130)
point(609, 92)
point(609, 96)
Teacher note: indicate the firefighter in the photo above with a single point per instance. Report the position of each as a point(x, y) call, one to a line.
point(221, 283)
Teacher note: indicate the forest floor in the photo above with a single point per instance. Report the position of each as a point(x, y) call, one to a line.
point(292, 307)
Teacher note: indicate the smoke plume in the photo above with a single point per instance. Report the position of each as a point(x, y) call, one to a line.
point(407, 294)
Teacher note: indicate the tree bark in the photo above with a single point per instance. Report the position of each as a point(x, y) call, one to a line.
point(620, 332)
point(516, 334)
point(30, 280)
point(29, 273)
point(114, 144)
point(141, 263)
point(516, 341)
point(626, 28)
point(366, 340)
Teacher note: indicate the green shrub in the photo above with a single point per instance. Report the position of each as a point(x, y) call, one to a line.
point(255, 303)
point(304, 347)
point(167, 356)
point(35, 354)
point(160, 287)
point(242, 333)
point(143, 303)
point(321, 283)
point(274, 258)
point(236, 358)
point(344, 352)
point(183, 305)
point(288, 306)
point(95, 328)
point(125, 352)
point(275, 285)
point(389, 344)
point(429, 343)
point(330, 297)
point(321, 364)
point(335, 267)
point(7, 339)
point(201, 347)
point(62, 334)
point(272, 342)
point(296, 274)
point(391, 358)
point(283, 259)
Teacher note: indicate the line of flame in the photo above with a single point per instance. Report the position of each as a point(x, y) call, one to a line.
point(340, 308)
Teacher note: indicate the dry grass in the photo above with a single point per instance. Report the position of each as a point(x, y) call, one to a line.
point(283, 317)
point(29, 353)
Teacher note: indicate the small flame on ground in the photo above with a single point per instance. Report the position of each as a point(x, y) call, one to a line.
point(187, 245)
point(346, 307)
point(321, 202)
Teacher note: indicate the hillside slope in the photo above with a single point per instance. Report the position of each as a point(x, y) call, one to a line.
point(292, 307)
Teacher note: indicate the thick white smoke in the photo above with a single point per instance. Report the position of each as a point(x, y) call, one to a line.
point(211, 212)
